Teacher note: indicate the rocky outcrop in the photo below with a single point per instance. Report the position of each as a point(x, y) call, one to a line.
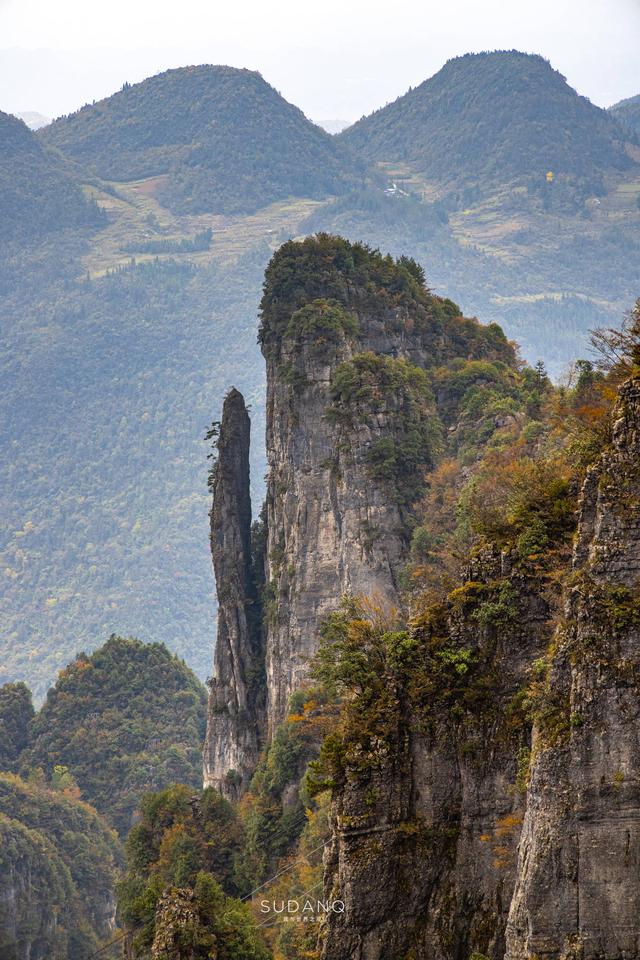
point(490, 838)
point(425, 844)
point(496, 812)
point(236, 700)
point(578, 888)
point(352, 428)
point(177, 926)
point(334, 528)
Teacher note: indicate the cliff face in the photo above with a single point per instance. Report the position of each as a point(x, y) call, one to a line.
point(578, 892)
point(427, 870)
point(352, 426)
point(236, 691)
point(486, 804)
point(334, 527)
point(467, 848)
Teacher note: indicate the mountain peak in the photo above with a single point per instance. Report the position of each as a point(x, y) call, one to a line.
point(495, 117)
point(219, 138)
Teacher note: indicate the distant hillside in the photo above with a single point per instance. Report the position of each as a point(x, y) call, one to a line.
point(217, 138)
point(37, 195)
point(34, 120)
point(627, 112)
point(127, 719)
point(492, 118)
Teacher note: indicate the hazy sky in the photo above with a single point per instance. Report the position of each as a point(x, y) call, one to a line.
point(336, 59)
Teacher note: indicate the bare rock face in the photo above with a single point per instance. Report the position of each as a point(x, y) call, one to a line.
point(178, 933)
point(578, 888)
point(236, 700)
point(333, 528)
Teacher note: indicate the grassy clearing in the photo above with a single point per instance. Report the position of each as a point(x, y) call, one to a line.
point(135, 216)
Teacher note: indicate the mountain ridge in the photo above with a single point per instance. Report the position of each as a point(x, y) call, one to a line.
point(627, 112)
point(38, 193)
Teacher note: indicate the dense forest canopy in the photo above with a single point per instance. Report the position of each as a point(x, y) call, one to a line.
point(126, 719)
point(39, 195)
point(59, 862)
point(627, 112)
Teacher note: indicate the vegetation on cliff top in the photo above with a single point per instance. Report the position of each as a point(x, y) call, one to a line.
point(369, 285)
point(177, 896)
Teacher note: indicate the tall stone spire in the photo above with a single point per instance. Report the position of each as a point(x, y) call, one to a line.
point(236, 691)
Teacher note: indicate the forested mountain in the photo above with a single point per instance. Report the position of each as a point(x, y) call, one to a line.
point(213, 138)
point(494, 118)
point(119, 338)
point(127, 719)
point(627, 112)
point(38, 195)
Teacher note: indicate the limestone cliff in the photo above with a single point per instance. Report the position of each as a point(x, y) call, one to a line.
point(446, 844)
point(486, 806)
point(425, 842)
point(237, 689)
point(578, 889)
point(352, 427)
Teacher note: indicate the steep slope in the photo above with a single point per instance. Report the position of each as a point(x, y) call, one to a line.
point(493, 118)
point(627, 112)
point(234, 733)
point(59, 863)
point(38, 196)
point(578, 887)
point(212, 137)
